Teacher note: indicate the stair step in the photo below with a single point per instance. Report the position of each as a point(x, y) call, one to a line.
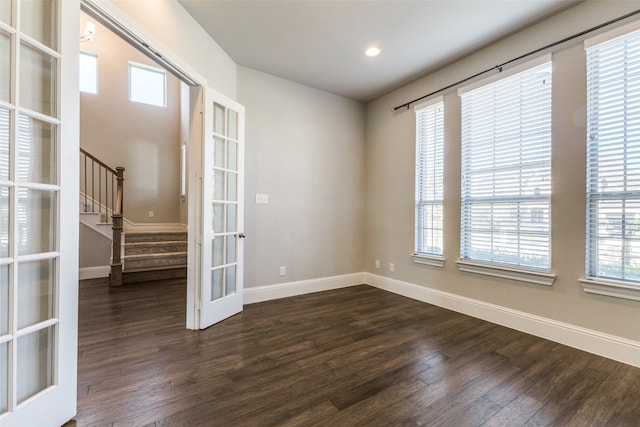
point(143, 237)
point(157, 274)
point(155, 247)
point(149, 261)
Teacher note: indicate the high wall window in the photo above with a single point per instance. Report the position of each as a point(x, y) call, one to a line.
point(429, 171)
point(147, 85)
point(88, 72)
point(506, 166)
point(613, 159)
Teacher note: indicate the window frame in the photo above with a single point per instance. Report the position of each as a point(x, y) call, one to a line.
point(429, 171)
point(596, 280)
point(152, 69)
point(494, 266)
point(94, 55)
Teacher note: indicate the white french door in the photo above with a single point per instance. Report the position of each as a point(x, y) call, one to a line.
point(222, 209)
point(38, 200)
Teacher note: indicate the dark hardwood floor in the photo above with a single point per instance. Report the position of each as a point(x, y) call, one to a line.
point(355, 356)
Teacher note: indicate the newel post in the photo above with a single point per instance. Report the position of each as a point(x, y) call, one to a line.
point(115, 277)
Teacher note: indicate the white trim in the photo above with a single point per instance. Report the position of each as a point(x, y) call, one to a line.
point(506, 73)
point(599, 343)
point(612, 34)
point(428, 103)
point(93, 272)
point(150, 227)
point(430, 260)
point(517, 274)
point(289, 289)
point(611, 289)
point(606, 345)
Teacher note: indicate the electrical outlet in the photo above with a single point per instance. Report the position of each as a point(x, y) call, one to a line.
point(151, 214)
point(283, 270)
point(377, 263)
point(392, 267)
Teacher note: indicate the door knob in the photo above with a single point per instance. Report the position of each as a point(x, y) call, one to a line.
point(242, 235)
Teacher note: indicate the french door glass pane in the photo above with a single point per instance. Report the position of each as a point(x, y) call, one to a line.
point(38, 20)
point(5, 126)
point(232, 156)
point(4, 300)
point(216, 284)
point(36, 151)
point(218, 119)
point(36, 220)
point(231, 217)
point(35, 292)
point(5, 64)
point(37, 80)
point(232, 127)
point(35, 363)
point(216, 251)
point(231, 250)
point(230, 280)
point(218, 185)
point(218, 212)
point(4, 222)
point(5, 11)
point(4, 383)
point(218, 155)
point(232, 186)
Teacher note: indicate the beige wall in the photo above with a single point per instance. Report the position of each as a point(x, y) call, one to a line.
point(305, 149)
point(95, 248)
point(390, 157)
point(144, 139)
point(172, 26)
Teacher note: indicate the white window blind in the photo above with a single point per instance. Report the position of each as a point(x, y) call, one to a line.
point(613, 159)
point(506, 167)
point(429, 177)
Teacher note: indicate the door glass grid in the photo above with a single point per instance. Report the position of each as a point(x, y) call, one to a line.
point(29, 194)
point(225, 199)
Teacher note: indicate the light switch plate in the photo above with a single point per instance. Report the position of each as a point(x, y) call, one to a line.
point(262, 199)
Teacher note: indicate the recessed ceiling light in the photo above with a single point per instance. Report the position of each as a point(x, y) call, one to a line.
point(372, 51)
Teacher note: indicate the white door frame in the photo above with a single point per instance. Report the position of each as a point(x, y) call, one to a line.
point(128, 29)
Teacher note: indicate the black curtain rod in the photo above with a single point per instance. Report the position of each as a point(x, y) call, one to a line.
point(533, 52)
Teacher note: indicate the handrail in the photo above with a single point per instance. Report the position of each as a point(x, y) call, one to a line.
point(95, 159)
point(109, 198)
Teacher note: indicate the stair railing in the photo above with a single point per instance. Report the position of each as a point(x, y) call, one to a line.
point(115, 277)
point(102, 192)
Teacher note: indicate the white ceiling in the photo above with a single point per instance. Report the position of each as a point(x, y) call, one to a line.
point(321, 43)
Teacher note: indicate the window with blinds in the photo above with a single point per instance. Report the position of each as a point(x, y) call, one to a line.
point(506, 167)
point(613, 159)
point(429, 177)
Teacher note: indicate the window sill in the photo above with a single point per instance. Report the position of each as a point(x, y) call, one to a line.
point(520, 275)
point(611, 289)
point(430, 260)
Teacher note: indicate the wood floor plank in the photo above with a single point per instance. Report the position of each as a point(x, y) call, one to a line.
point(347, 357)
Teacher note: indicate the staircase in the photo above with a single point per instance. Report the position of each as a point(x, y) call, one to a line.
point(135, 256)
point(154, 256)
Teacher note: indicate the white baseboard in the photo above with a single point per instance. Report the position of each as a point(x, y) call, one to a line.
point(289, 289)
point(93, 272)
point(151, 227)
point(610, 346)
